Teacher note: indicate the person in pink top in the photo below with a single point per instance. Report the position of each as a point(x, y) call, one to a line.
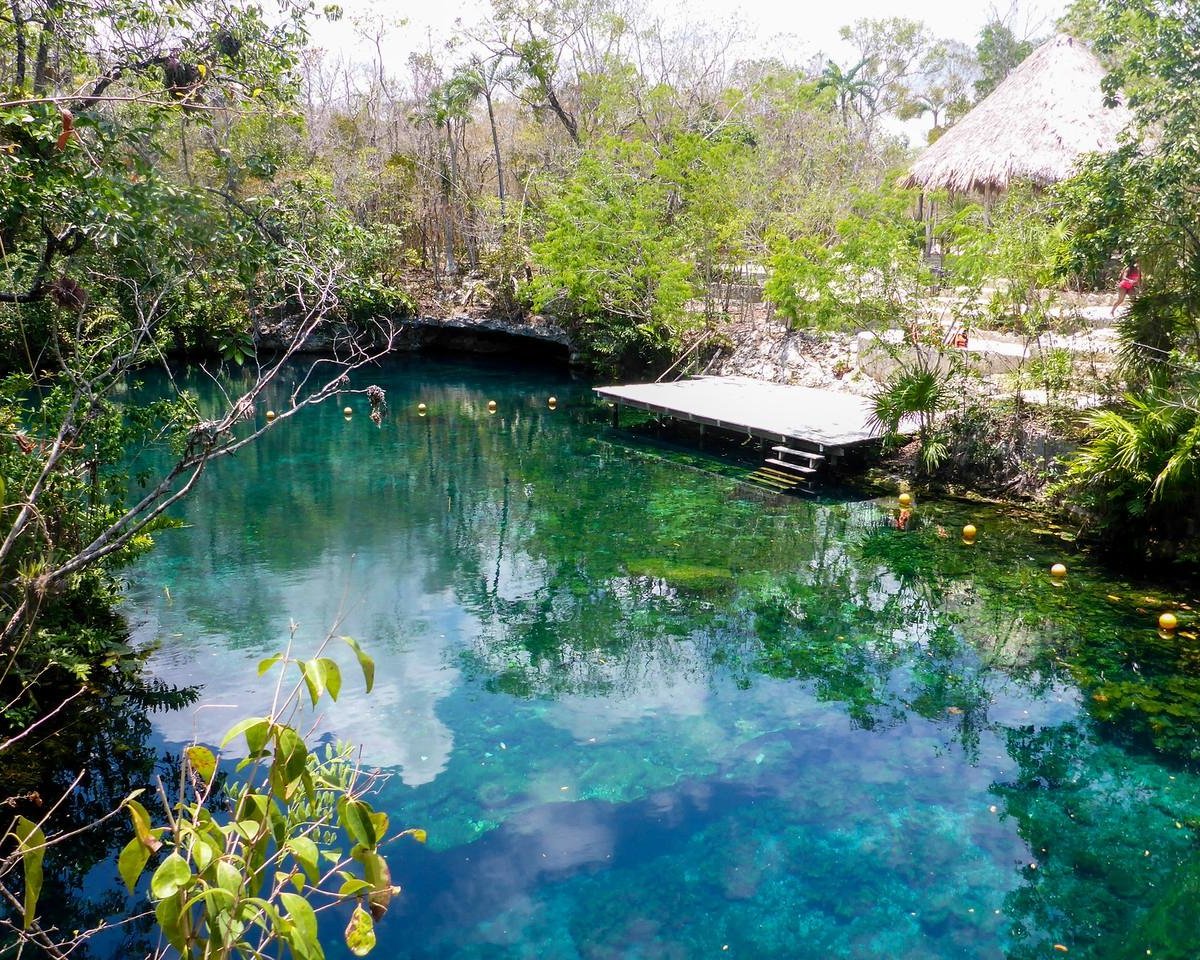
point(1130, 280)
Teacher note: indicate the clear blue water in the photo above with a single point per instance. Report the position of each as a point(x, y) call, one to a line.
point(644, 710)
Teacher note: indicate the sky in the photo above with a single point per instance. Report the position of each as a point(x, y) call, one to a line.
point(800, 28)
point(796, 31)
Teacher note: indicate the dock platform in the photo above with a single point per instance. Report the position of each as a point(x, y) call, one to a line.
point(824, 420)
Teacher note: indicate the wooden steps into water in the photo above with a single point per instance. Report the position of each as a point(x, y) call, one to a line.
point(792, 467)
point(778, 481)
point(813, 458)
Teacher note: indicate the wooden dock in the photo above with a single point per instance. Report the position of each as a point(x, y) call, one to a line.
point(821, 420)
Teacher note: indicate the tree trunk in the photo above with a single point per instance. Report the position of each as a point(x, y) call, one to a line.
point(43, 57)
point(487, 95)
point(448, 191)
point(19, 39)
point(568, 121)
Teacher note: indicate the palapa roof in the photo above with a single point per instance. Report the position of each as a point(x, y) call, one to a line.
point(1034, 126)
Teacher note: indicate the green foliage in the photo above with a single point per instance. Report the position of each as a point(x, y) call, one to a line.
point(241, 878)
point(618, 258)
point(1142, 201)
point(866, 272)
point(890, 52)
point(918, 390)
point(1019, 239)
point(999, 52)
point(1139, 470)
point(75, 631)
point(148, 207)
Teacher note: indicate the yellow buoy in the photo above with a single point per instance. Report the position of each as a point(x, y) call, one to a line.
point(552, 402)
point(421, 408)
point(348, 411)
point(270, 415)
point(1058, 571)
point(1167, 622)
point(491, 406)
point(969, 532)
point(906, 500)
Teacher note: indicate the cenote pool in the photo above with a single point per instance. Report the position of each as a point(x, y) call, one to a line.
point(646, 711)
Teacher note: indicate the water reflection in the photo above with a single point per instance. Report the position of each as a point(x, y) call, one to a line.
point(78, 773)
point(645, 711)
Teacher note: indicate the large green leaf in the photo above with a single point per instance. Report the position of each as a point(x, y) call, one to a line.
point(132, 861)
point(172, 875)
point(313, 672)
point(304, 918)
point(31, 842)
point(169, 915)
point(355, 817)
point(305, 851)
point(255, 729)
point(333, 676)
point(364, 661)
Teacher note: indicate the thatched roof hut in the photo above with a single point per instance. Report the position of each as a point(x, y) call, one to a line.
point(1034, 126)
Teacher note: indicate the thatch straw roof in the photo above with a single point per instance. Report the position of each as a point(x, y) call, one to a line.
point(1034, 126)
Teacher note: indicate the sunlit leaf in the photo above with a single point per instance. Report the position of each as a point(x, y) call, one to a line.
point(313, 672)
point(250, 726)
point(364, 661)
point(267, 663)
point(172, 875)
point(333, 677)
point(305, 852)
point(141, 825)
point(202, 761)
point(132, 861)
point(301, 913)
point(360, 932)
point(356, 818)
point(31, 842)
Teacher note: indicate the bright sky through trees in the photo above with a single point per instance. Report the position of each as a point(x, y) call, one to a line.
point(796, 32)
point(776, 27)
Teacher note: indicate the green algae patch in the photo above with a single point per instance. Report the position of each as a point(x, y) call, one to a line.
point(684, 576)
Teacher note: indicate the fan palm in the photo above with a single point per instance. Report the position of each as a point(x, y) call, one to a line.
point(1148, 452)
point(918, 390)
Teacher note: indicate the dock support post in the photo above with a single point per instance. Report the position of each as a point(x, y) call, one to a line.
point(616, 417)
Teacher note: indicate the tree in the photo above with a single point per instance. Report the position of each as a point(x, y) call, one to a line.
point(486, 77)
point(848, 87)
point(943, 86)
point(127, 232)
point(866, 270)
point(448, 109)
point(534, 37)
point(1143, 202)
point(999, 52)
point(890, 52)
point(112, 257)
point(612, 263)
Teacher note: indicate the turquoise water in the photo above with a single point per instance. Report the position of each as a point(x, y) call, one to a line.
point(644, 710)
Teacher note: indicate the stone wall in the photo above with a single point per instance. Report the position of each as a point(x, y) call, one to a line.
point(533, 335)
point(771, 350)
